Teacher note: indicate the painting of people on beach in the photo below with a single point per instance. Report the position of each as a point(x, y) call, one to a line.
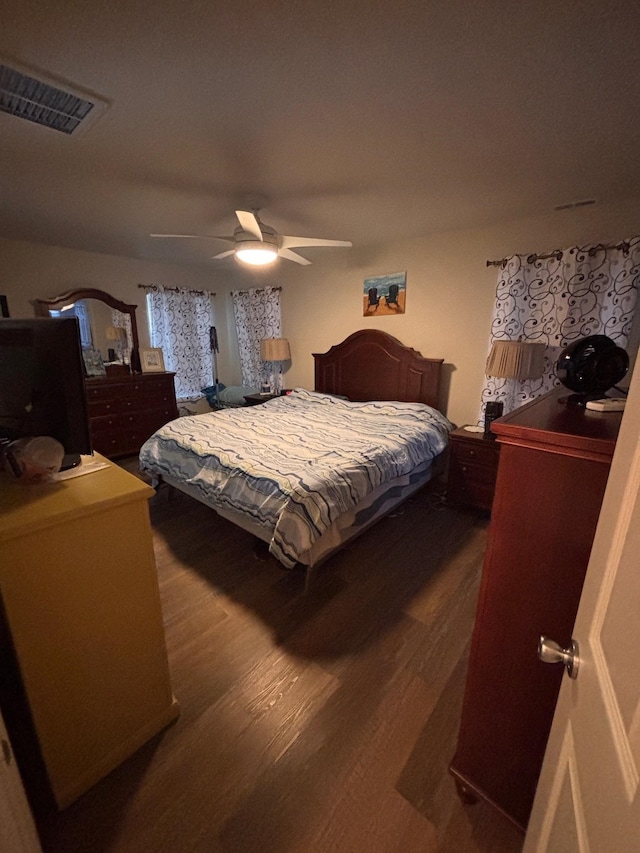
point(384, 295)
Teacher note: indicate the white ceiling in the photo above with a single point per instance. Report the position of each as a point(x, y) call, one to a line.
point(364, 121)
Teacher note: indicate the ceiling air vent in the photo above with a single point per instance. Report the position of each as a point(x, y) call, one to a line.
point(46, 103)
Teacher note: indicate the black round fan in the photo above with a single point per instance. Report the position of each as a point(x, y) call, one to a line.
point(590, 366)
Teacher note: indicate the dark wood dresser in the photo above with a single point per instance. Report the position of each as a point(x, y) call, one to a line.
point(125, 409)
point(552, 473)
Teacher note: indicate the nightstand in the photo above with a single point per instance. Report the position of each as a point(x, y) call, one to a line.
point(257, 399)
point(473, 466)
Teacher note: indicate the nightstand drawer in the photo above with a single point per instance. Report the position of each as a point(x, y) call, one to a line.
point(467, 491)
point(473, 468)
point(485, 453)
point(472, 485)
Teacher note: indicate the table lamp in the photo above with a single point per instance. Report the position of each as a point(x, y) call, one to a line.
point(511, 360)
point(274, 350)
point(118, 335)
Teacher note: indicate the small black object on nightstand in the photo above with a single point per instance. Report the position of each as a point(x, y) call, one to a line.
point(492, 411)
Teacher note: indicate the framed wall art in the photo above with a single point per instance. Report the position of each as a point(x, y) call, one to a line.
point(384, 295)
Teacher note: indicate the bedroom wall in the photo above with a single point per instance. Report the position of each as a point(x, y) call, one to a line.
point(450, 293)
point(450, 290)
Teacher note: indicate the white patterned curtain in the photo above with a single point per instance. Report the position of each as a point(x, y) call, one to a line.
point(556, 300)
point(179, 323)
point(257, 315)
point(123, 348)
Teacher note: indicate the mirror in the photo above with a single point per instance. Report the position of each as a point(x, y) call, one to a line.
point(107, 325)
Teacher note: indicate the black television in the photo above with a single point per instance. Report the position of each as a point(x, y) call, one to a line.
point(42, 389)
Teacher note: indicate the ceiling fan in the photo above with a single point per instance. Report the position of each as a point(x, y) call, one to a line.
point(258, 244)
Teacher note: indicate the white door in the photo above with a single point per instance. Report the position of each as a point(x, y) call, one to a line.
point(17, 830)
point(588, 797)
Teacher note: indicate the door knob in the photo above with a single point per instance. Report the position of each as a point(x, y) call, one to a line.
point(551, 652)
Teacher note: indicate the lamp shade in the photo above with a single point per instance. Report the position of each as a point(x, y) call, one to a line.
point(275, 349)
point(516, 360)
point(115, 333)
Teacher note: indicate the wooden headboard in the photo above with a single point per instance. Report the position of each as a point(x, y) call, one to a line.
point(371, 365)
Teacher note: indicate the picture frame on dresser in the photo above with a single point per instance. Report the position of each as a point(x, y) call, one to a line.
point(151, 360)
point(4, 306)
point(93, 363)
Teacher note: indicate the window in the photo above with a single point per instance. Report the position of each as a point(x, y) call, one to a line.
point(180, 321)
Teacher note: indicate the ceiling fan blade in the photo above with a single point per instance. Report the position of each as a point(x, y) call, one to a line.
point(196, 236)
point(249, 223)
point(292, 242)
point(223, 254)
point(293, 256)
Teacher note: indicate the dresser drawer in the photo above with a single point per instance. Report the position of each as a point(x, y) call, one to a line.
point(158, 385)
point(95, 392)
point(105, 424)
point(155, 419)
point(98, 408)
point(143, 403)
point(108, 443)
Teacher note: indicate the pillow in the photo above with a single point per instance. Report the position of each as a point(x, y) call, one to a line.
point(194, 406)
point(210, 393)
point(234, 395)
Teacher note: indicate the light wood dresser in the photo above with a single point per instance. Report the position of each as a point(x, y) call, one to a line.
point(81, 612)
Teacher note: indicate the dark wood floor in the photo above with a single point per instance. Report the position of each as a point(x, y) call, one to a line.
point(308, 724)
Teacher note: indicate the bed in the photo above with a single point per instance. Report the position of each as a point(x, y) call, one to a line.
point(309, 471)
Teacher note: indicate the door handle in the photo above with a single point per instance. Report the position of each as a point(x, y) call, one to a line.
point(551, 652)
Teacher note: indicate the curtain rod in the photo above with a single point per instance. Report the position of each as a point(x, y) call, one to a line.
point(277, 289)
point(557, 253)
point(177, 289)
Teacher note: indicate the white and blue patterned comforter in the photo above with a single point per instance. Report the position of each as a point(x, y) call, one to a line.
point(296, 463)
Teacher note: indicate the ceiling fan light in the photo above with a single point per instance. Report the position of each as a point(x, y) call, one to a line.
point(256, 254)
